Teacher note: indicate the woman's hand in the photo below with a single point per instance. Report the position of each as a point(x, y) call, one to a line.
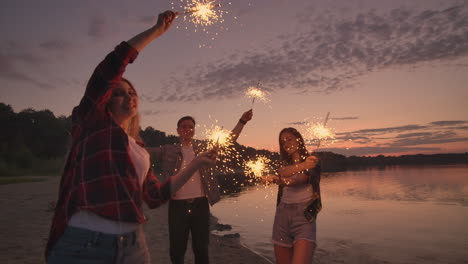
point(311, 162)
point(269, 179)
point(140, 41)
point(165, 21)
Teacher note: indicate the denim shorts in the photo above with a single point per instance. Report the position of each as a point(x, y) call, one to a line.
point(291, 225)
point(78, 245)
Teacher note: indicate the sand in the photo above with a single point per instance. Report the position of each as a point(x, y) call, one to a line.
point(26, 214)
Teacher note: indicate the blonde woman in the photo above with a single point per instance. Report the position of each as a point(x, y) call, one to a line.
point(99, 216)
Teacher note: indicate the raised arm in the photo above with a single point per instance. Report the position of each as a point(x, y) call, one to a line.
point(140, 41)
point(109, 72)
point(246, 117)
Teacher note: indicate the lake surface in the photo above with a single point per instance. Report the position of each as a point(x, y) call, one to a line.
point(400, 214)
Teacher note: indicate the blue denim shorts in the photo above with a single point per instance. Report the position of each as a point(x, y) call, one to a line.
point(291, 225)
point(78, 245)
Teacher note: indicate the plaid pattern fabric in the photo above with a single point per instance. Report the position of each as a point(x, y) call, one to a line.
point(99, 175)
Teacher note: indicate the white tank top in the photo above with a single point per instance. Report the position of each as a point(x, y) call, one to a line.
point(297, 193)
point(91, 221)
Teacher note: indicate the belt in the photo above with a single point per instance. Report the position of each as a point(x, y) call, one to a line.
point(189, 201)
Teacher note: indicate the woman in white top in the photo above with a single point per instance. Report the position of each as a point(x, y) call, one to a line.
point(294, 228)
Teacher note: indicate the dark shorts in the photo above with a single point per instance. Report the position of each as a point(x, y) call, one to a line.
point(291, 225)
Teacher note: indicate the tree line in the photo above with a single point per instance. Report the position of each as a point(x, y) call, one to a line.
point(36, 143)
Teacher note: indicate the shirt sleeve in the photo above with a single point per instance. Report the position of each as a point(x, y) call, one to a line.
point(105, 77)
point(155, 193)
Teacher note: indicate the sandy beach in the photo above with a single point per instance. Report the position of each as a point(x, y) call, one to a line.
point(26, 215)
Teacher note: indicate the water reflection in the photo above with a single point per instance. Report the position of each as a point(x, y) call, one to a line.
point(445, 184)
point(418, 212)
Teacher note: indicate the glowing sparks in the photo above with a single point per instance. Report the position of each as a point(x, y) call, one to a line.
point(206, 16)
point(320, 134)
point(257, 167)
point(255, 92)
point(218, 137)
point(221, 139)
point(203, 12)
point(203, 15)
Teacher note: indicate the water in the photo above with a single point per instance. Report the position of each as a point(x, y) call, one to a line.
point(393, 215)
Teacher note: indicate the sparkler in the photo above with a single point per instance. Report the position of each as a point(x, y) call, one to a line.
point(204, 9)
point(218, 136)
point(257, 167)
point(255, 92)
point(320, 132)
point(206, 16)
point(323, 131)
point(202, 12)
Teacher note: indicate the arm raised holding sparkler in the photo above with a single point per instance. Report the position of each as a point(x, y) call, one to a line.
point(246, 117)
point(165, 20)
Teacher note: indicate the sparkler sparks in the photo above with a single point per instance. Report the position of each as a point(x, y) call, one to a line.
point(255, 92)
point(320, 133)
point(203, 15)
point(206, 16)
point(202, 12)
point(257, 167)
point(221, 139)
point(218, 137)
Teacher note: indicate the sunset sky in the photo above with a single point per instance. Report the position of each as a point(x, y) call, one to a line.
point(392, 74)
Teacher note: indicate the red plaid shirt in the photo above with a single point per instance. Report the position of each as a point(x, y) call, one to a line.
point(99, 175)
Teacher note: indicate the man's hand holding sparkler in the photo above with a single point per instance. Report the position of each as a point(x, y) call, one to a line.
point(246, 117)
point(207, 158)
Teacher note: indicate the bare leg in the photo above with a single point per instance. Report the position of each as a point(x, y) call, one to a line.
point(303, 252)
point(283, 254)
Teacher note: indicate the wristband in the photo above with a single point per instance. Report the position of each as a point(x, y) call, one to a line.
point(242, 121)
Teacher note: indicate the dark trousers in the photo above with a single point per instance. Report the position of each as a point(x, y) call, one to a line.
point(189, 216)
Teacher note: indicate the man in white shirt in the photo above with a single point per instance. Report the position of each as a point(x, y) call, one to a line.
point(189, 210)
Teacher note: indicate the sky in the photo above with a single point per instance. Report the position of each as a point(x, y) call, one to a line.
point(392, 75)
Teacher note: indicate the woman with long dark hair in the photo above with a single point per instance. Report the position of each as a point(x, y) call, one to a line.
point(298, 201)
